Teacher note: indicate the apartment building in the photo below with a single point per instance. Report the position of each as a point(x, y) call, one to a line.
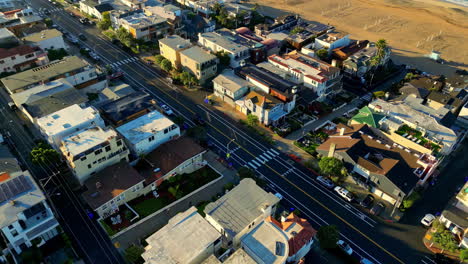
point(46, 39)
point(171, 46)
point(127, 107)
point(56, 126)
point(21, 58)
point(92, 149)
point(147, 132)
point(229, 87)
point(281, 23)
point(95, 8)
point(199, 62)
point(359, 63)
point(331, 40)
point(257, 50)
point(322, 77)
point(171, 13)
point(73, 69)
point(216, 42)
point(8, 39)
point(20, 19)
point(25, 216)
point(147, 28)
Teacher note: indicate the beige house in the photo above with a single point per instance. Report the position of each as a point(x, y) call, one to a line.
point(113, 187)
point(91, 150)
point(199, 62)
point(229, 87)
point(171, 46)
point(267, 108)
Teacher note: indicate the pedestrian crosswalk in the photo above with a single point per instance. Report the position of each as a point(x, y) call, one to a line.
point(262, 159)
point(43, 12)
point(123, 62)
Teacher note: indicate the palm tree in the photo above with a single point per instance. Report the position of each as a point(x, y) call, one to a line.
point(381, 45)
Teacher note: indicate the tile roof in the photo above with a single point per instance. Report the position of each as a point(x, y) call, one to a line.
point(20, 50)
point(109, 183)
point(263, 100)
point(367, 116)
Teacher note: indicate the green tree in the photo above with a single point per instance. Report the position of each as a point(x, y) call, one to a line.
point(48, 22)
point(438, 226)
point(409, 201)
point(328, 236)
point(32, 255)
point(252, 120)
point(133, 254)
point(44, 154)
point(223, 57)
point(322, 54)
point(159, 58)
point(56, 54)
point(331, 166)
point(464, 255)
point(187, 79)
point(379, 94)
point(166, 65)
point(409, 76)
point(381, 48)
point(110, 34)
point(216, 7)
point(244, 172)
point(175, 191)
point(298, 30)
point(446, 240)
point(125, 37)
point(105, 22)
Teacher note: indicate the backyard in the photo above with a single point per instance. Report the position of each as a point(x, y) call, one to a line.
point(170, 190)
point(417, 137)
point(311, 141)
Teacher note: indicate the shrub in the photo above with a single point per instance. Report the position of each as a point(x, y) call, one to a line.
point(409, 201)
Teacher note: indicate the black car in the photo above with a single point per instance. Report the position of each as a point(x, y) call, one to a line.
point(368, 201)
point(377, 209)
point(199, 121)
point(82, 37)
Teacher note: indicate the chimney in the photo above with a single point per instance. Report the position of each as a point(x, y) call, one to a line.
point(331, 152)
point(342, 130)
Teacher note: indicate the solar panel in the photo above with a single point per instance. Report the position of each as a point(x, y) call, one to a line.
point(13, 187)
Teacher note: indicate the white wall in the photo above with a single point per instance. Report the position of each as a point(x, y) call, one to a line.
point(52, 43)
point(8, 64)
point(145, 146)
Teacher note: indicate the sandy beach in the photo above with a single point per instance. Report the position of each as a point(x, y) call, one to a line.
point(413, 28)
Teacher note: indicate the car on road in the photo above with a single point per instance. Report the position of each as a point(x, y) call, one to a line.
point(325, 181)
point(279, 196)
point(347, 195)
point(116, 75)
point(428, 219)
point(377, 209)
point(47, 12)
point(166, 109)
point(366, 261)
point(368, 201)
point(72, 14)
point(199, 120)
point(345, 247)
point(82, 37)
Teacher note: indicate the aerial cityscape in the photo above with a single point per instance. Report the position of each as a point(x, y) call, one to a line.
point(233, 131)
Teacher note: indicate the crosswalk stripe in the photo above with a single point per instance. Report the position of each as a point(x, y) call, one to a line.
point(266, 159)
point(256, 163)
point(260, 160)
point(269, 155)
point(251, 165)
point(274, 151)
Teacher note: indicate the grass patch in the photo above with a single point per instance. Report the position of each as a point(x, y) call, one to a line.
point(108, 229)
point(150, 206)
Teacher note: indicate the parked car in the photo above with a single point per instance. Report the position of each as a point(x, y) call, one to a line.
point(377, 209)
point(82, 37)
point(368, 201)
point(199, 120)
point(326, 182)
point(428, 219)
point(345, 247)
point(347, 195)
point(167, 110)
point(116, 75)
point(366, 261)
point(84, 20)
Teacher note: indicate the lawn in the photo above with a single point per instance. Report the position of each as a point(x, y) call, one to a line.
point(150, 205)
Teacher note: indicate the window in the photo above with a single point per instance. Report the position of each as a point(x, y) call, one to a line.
point(13, 58)
point(14, 232)
point(166, 131)
point(89, 166)
point(83, 158)
point(97, 152)
point(108, 148)
point(94, 162)
point(10, 226)
point(29, 55)
point(2, 61)
point(151, 138)
point(119, 143)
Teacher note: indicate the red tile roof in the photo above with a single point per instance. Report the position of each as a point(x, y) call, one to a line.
point(20, 50)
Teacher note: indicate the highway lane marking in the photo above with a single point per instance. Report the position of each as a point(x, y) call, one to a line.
point(247, 151)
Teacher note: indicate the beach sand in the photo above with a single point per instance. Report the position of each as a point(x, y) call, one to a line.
point(413, 28)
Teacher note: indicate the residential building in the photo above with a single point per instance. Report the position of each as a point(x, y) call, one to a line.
point(272, 84)
point(113, 187)
point(8, 4)
point(188, 231)
point(463, 115)
point(147, 28)
point(56, 126)
point(148, 131)
point(92, 149)
point(199, 62)
point(18, 19)
point(115, 92)
point(95, 8)
point(239, 256)
point(409, 89)
point(311, 30)
point(21, 58)
point(73, 69)
point(8, 162)
point(229, 87)
point(268, 109)
point(331, 40)
point(456, 82)
point(134, 4)
point(234, 10)
point(8, 39)
point(455, 216)
point(389, 170)
point(194, 25)
point(257, 50)
point(216, 42)
point(179, 156)
point(359, 63)
point(46, 39)
point(399, 114)
point(269, 46)
point(281, 23)
point(171, 13)
point(171, 46)
point(443, 115)
point(452, 102)
point(25, 216)
point(240, 211)
point(127, 108)
point(322, 77)
point(342, 53)
point(367, 116)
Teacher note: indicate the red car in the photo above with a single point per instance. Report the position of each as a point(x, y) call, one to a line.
point(294, 157)
point(116, 75)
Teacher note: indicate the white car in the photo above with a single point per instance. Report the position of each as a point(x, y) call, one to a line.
point(326, 182)
point(345, 247)
point(167, 110)
point(348, 196)
point(428, 219)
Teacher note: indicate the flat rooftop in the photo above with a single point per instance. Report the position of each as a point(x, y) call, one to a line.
point(40, 91)
point(228, 43)
point(68, 117)
point(43, 73)
point(86, 139)
point(230, 81)
point(144, 126)
point(332, 36)
point(140, 20)
point(57, 101)
point(175, 42)
point(186, 236)
point(43, 35)
point(127, 106)
point(266, 77)
point(198, 54)
point(8, 162)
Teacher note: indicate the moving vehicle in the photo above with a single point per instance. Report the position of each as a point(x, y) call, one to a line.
point(428, 219)
point(347, 195)
point(377, 209)
point(366, 261)
point(345, 247)
point(199, 120)
point(116, 75)
point(82, 37)
point(326, 182)
point(167, 110)
point(368, 201)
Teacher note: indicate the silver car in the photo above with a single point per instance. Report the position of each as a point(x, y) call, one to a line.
point(326, 182)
